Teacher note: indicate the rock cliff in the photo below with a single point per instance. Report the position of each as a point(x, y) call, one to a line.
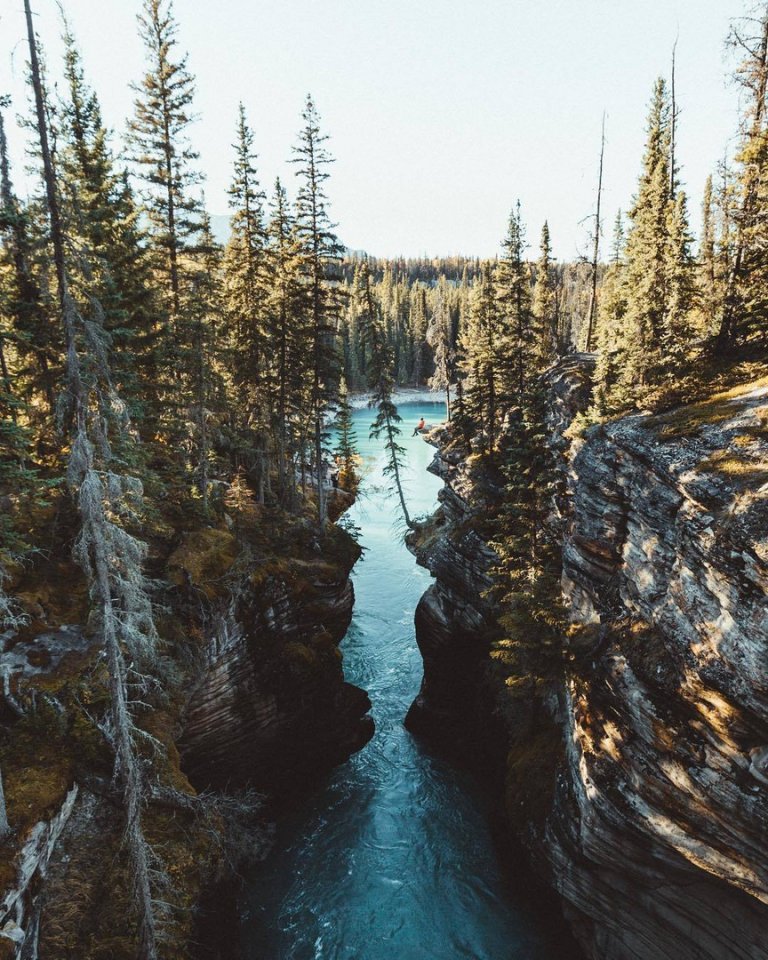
point(642, 794)
point(271, 708)
point(255, 697)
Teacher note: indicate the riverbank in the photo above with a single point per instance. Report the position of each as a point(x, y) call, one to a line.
point(400, 397)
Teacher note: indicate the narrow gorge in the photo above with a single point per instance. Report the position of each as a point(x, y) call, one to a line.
point(384, 504)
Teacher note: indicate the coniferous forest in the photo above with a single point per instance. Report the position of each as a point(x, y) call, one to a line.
point(181, 442)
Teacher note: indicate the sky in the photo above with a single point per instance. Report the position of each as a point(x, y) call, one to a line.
point(441, 113)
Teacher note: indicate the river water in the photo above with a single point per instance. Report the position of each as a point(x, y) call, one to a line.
point(391, 856)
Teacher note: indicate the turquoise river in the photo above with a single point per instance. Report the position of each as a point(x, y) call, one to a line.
point(391, 857)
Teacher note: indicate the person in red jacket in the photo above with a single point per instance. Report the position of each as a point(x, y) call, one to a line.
point(419, 427)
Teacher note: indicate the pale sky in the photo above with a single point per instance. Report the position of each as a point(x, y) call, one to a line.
point(441, 113)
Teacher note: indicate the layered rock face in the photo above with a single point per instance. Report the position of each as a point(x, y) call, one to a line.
point(272, 708)
point(664, 565)
point(261, 701)
point(653, 826)
point(454, 619)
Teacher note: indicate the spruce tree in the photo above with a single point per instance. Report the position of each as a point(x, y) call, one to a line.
point(544, 300)
point(745, 304)
point(522, 352)
point(35, 336)
point(320, 256)
point(440, 339)
point(245, 293)
point(288, 368)
point(207, 393)
point(708, 279)
point(527, 577)
point(162, 154)
point(103, 219)
point(482, 358)
point(609, 332)
point(657, 279)
point(346, 446)
point(381, 382)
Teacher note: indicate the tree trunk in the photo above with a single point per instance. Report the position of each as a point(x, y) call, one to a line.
point(596, 247)
point(396, 473)
point(54, 213)
point(322, 515)
point(5, 827)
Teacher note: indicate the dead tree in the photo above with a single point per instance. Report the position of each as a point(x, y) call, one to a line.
point(111, 559)
point(596, 246)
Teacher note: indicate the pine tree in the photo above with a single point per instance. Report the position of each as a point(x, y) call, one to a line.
point(657, 279)
point(162, 153)
point(245, 290)
point(618, 240)
point(35, 339)
point(15, 435)
point(417, 326)
point(708, 261)
point(745, 305)
point(544, 301)
point(527, 577)
point(381, 382)
point(646, 274)
point(206, 386)
point(321, 252)
point(346, 446)
point(482, 359)
point(522, 349)
point(681, 285)
point(609, 332)
point(440, 339)
point(103, 219)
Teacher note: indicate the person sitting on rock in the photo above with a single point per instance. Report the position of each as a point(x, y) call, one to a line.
point(419, 427)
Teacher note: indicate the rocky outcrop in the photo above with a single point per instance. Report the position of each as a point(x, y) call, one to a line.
point(256, 698)
point(651, 817)
point(271, 708)
point(665, 850)
point(454, 619)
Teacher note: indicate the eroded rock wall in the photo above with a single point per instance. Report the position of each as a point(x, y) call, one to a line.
point(653, 823)
point(272, 708)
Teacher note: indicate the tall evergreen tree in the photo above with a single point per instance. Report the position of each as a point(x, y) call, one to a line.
point(162, 154)
point(321, 253)
point(386, 424)
point(522, 351)
point(657, 276)
point(103, 219)
point(245, 289)
point(745, 305)
point(482, 357)
point(440, 338)
point(708, 269)
point(544, 299)
point(346, 445)
point(288, 368)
